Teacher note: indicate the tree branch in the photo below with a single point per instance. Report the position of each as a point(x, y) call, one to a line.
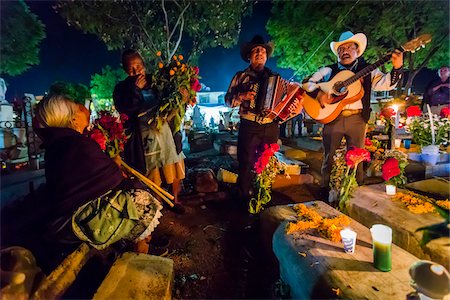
point(167, 30)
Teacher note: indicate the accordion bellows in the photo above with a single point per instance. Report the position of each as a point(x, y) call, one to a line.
point(279, 96)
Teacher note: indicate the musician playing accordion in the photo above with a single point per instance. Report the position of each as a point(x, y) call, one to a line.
point(258, 125)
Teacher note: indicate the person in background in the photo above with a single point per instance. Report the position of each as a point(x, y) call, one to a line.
point(437, 92)
point(255, 130)
point(297, 122)
point(352, 121)
point(148, 150)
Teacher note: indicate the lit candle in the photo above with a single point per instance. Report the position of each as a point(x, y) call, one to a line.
point(397, 117)
point(382, 247)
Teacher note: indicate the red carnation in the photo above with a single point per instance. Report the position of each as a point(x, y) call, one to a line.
point(368, 142)
point(98, 136)
point(387, 112)
point(195, 85)
point(445, 112)
point(413, 111)
point(196, 70)
point(356, 155)
point(390, 168)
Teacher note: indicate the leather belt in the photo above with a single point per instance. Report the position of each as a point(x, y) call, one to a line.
point(350, 112)
point(256, 118)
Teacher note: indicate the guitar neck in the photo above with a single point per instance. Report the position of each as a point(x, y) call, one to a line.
point(367, 70)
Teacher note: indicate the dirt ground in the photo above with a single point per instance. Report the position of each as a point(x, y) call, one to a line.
point(215, 245)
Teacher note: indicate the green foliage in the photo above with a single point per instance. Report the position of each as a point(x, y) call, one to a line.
point(76, 91)
point(21, 33)
point(102, 86)
point(387, 24)
point(152, 26)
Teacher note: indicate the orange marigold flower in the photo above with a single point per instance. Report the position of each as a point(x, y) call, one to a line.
point(158, 53)
point(178, 63)
point(160, 65)
point(180, 57)
point(171, 72)
point(174, 57)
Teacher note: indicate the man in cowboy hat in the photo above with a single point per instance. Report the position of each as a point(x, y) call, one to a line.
point(254, 130)
point(352, 121)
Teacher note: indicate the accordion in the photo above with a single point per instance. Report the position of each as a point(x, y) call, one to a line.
point(275, 98)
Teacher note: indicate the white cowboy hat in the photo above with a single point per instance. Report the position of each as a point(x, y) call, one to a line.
point(346, 37)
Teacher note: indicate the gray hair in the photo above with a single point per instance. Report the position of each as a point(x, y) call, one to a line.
point(56, 111)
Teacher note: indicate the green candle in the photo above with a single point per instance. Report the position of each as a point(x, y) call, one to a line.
point(382, 247)
point(382, 258)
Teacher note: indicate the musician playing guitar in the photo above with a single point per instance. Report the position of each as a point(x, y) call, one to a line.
point(352, 120)
point(255, 127)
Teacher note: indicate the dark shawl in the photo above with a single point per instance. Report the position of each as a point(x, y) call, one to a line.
point(130, 100)
point(76, 169)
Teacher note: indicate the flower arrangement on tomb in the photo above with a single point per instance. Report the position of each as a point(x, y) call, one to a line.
point(428, 129)
point(177, 83)
point(343, 173)
point(420, 204)
point(267, 167)
point(310, 220)
point(392, 164)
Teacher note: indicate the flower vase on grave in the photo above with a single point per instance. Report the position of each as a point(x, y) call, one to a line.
point(430, 154)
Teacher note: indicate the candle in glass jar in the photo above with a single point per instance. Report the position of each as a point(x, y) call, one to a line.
point(382, 247)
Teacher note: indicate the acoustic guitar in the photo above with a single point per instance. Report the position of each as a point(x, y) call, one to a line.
point(345, 87)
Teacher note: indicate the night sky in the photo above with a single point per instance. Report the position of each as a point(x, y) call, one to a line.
point(67, 54)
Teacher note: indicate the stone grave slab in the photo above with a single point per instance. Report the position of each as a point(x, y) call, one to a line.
point(315, 267)
point(371, 205)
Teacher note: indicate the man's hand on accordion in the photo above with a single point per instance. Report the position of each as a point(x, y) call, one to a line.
point(247, 96)
point(297, 105)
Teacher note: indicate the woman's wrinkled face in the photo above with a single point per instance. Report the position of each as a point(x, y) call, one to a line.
point(81, 118)
point(134, 66)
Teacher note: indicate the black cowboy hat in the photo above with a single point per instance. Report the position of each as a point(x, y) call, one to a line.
point(257, 40)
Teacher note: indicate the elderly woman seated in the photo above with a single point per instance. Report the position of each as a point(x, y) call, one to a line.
point(90, 199)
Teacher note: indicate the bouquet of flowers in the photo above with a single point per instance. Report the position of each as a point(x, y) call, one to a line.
point(177, 84)
point(428, 129)
point(343, 173)
point(393, 167)
point(107, 130)
point(267, 167)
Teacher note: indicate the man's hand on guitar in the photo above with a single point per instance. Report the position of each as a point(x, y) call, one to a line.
point(397, 59)
point(323, 98)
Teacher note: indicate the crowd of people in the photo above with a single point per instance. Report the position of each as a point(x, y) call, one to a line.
point(157, 153)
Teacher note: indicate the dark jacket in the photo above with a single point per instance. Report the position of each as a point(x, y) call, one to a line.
point(76, 169)
point(139, 105)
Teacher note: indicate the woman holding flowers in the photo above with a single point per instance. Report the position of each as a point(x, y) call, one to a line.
point(149, 150)
point(79, 173)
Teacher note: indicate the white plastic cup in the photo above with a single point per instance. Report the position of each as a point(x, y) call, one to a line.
point(397, 143)
point(348, 237)
point(391, 189)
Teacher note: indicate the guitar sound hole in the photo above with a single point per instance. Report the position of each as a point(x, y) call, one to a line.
point(339, 88)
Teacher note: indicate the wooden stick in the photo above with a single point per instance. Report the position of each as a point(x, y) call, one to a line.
point(166, 196)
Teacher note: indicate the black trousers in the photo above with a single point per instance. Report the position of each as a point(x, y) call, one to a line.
point(252, 135)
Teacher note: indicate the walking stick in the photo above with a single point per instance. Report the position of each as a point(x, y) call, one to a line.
point(166, 196)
